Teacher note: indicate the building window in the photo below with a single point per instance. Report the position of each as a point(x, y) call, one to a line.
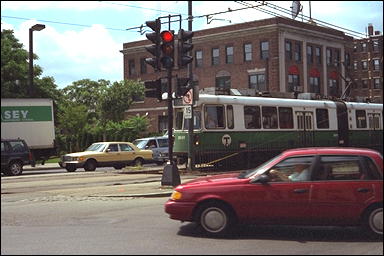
point(376, 83)
point(215, 56)
point(199, 59)
point(223, 83)
point(318, 55)
point(333, 87)
point(355, 65)
point(264, 50)
point(364, 83)
point(143, 66)
point(375, 45)
point(309, 54)
point(163, 123)
point(314, 84)
point(257, 81)
point(376, 64)
point(297, 52)
point(329, 57)
point(293, 83)
point(229, 54)
point(363, 47)
point(347, 59)
point(288, 50)
point(131, 67)
point(247, 52)
point(337, 58)
point(364, 65)
point(355, 47)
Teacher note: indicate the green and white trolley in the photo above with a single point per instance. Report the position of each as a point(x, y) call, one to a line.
point(241, 131)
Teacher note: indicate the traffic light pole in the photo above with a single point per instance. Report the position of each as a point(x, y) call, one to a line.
point(170, 117)
point(171, 175)
point(191, 156)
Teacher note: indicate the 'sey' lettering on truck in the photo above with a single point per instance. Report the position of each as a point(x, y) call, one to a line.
point(31, 120)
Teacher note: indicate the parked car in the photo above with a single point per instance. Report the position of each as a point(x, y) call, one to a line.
point(158, 145)
point(339, 186)
point(15, 153)
point(106, 154)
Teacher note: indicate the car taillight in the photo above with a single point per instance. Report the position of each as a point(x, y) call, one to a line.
point(30, 156)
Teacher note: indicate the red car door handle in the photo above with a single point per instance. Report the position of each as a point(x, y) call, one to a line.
point(300, 190)
point(363, 190)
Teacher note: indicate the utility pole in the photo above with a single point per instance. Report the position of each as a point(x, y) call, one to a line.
point(191, 156)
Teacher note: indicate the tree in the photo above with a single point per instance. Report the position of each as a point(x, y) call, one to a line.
point(119, 97)
point(73, 118)
point(15, 70)
point(86, 92)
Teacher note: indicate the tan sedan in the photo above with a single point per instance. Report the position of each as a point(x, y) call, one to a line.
point(106, 154)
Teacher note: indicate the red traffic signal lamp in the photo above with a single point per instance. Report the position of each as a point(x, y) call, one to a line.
point(167, 48)
point(184, 48)
point(154, 49)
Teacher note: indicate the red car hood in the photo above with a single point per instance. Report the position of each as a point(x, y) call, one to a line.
point(220, 178)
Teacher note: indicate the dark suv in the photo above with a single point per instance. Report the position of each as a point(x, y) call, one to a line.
point(15, 154)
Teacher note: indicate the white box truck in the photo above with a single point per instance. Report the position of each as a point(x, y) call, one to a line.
point(30, 119)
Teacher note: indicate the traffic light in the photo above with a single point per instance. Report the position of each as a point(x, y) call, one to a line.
point(167, 48)
point(153, 89)
point(154, 49)
point(183, 86)
point(183, 48)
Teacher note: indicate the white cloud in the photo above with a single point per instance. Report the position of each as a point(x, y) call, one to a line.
point(74, 55)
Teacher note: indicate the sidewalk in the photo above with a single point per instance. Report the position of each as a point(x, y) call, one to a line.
point(143, 182)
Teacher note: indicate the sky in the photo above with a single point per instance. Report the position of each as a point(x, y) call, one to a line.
point(83, 39)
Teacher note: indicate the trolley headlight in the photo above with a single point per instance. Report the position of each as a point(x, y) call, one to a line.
point(176, 195)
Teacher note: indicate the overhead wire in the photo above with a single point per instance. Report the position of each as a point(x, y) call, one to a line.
point(288, 12)
point(259, 7)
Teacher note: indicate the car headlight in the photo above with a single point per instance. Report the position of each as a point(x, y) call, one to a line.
point(176, 195)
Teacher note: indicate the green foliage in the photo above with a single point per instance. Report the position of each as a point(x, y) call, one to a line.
point(86, 111)
point(119, 97)
point(15, 70)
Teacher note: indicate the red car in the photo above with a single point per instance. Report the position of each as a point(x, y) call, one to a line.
point(308, 186)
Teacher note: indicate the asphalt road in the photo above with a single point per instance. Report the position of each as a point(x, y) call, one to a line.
point(70, 222)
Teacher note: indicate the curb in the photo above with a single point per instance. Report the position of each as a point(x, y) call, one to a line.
point(156, 194)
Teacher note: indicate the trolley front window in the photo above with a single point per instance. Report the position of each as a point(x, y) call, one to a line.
point(214, 116)
point(182, 124)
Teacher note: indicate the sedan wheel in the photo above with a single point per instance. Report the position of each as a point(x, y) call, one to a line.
point(138, 162)
point(215, 218)
point(70, 168)
point(374, 221)
point(90, 166)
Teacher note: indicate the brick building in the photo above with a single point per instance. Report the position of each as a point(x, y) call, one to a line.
point(367, 71)
point(279, 57)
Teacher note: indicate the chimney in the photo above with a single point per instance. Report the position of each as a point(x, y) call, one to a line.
point(370, 29)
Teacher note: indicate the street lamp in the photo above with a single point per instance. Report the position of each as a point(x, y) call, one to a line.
point(36, 27)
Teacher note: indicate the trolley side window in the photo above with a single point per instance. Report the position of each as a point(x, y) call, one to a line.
point(374, 120)
point(214, 117)
point(322, 118)
point(230, 118)
point(361, 119)
point(252, 117)
point(269, 117)
point(285, 118)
